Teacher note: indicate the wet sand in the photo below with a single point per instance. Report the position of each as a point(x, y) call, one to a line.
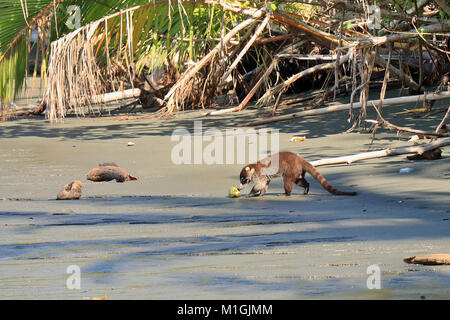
point(174, 234)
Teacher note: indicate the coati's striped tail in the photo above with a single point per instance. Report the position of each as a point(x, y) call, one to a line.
point(321, 179)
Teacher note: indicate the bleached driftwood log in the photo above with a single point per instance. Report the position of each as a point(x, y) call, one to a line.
point(432, 259)
point(386, 102)
point(70, 191)
point(113, 96)
point(109, 171)
point(418, 149)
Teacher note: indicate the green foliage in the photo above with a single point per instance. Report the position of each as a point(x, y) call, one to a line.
point(409, 5)
point(273, 6)
point(442, 15)
point(14, 26)
point(157, 30)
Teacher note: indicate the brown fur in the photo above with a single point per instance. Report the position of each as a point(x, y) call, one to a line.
point(291, 167)
point(71, 191)
point(108, 173)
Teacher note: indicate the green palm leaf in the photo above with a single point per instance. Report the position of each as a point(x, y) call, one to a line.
point(16, 19)
point(156, 31)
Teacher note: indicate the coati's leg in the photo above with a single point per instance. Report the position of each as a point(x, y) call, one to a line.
point(301, 182)
point(258, 189)
point(263, 191)
point(288, 184)
point(254, 192)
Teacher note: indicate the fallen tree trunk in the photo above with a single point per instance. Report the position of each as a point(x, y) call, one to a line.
point(418, 149)
point(114, 96)
point(386, 102)
point(432, 259)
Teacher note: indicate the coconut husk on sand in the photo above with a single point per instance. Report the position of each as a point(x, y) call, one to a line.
point(71, 191)
point(109, 171)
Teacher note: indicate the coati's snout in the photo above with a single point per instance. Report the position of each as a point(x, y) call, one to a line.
point(246, 177)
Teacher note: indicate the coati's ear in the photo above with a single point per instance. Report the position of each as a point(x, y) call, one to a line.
point(252, 171)
point(247, 169)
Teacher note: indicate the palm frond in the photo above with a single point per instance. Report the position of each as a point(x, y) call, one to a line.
point(127, 42)
point(17, 19)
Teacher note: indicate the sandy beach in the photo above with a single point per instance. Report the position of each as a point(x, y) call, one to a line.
point(174, 233)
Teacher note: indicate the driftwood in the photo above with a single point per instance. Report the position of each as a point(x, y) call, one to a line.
point(114, 96)
point(249, 95)
point(432, 259)
point(397, 73)
point(377, 41)
point(170, 97)
point(109, 171)
point(70, 191)
point(252, 92)
point(258, 31)
point(434, 154)
point(385, 123)
point(417, 149)
point(386, 102)
point(442, 123)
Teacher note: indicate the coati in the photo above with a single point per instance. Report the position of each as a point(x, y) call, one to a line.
point(290, 166)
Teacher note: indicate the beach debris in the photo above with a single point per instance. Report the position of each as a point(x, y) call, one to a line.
point(130, 144)
point(427, 155)
point(405, 170)
point(416, 110)
point(348, 106)
point(102, 298)
point(432, 259)
point(234, 192)
point(417, 149)
point(109, 171)
point(297, 139)
point(71, 191)
point(416, 137)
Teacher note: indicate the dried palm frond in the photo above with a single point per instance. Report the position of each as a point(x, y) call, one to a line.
point(74, 76)
point(17, 19)
point(121, 48)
